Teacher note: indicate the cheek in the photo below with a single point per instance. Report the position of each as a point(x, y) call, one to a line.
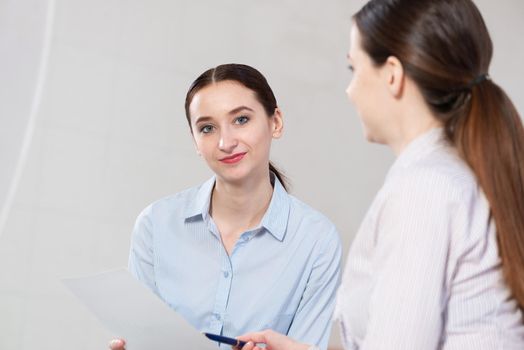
point(197, 141)
point(203, 146)
point(261, 140)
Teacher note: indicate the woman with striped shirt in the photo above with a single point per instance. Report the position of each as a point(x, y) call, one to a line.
point(438, 262)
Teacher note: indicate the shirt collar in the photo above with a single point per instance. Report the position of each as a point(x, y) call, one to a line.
point(277, 214)
point(199, 204)
point(274, 220)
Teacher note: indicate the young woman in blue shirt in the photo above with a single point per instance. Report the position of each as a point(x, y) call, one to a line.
point(238, 245)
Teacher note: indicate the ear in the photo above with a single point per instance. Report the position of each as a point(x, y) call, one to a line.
point(394, 75)
point(277, 123)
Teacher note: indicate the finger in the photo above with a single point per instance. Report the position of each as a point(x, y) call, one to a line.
point(117, 344)
point(257, 337)
point(249, 346)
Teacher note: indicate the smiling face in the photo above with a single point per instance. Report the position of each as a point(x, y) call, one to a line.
point(368, 90)
point(232, 131)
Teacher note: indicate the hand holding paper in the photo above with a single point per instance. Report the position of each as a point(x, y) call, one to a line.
point(134, 313)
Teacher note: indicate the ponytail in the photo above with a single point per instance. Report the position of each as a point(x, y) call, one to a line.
point(283, 179)
point(490, 138)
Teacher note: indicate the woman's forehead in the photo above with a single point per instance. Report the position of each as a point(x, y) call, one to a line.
point(222, 98)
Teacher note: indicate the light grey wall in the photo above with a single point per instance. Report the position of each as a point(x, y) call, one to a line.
point(25, 32)
point(111, 135)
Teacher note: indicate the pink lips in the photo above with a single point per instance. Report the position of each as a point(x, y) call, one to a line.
point(235, 158)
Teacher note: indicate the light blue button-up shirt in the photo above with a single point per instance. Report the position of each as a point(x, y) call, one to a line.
point(281, 275)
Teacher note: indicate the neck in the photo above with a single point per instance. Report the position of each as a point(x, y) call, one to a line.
point(408, 133)
point(241, 203)
point(414, 119)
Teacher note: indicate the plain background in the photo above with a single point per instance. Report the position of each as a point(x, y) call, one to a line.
point(110, 134)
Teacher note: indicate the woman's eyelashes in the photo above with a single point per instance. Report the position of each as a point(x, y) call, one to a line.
point(243, 119)
point(206, 129)
point(209, 128)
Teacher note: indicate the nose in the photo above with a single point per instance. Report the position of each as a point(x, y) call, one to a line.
point(227, 141)
point(348, 91)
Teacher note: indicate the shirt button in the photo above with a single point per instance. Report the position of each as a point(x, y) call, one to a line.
point(217, 316)
point(226, 274)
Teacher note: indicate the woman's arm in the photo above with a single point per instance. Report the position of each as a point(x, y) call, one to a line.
point(141, 254)
point(313, 319)
point(408, 303)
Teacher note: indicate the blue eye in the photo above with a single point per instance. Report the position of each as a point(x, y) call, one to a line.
point(206, 129)
point(241, 120)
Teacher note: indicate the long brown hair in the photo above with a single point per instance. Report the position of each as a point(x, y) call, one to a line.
point(445, 48)
point(251, 79)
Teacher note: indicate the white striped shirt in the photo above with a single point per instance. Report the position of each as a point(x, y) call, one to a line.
point(424, 270)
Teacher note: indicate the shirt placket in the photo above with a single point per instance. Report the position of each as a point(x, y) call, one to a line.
point(224, 283)
point(223, 293)
point(223, 287)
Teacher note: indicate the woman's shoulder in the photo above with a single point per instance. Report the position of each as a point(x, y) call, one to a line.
point(441, 173)
point(312, 228)
point(178, 201)
point(305, 214)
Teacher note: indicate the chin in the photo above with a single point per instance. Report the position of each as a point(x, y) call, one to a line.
point(233, 175)
point(372, 137)
point(368, 135)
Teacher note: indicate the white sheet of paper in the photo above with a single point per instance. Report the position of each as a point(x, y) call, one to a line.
point(134, 313)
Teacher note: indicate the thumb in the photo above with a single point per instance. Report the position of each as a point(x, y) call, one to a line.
point(256, 337)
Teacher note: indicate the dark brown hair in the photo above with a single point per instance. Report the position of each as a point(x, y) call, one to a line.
point(445, 48)
point(251, 79)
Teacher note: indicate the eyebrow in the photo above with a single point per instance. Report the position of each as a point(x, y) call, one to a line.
point(241, 108)
point(231, 112)
point(203, 119)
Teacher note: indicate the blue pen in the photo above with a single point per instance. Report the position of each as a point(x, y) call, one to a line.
point(225, 340)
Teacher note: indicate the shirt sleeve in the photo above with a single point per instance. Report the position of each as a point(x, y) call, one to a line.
point(313, 319)
point(408, 301)
point(141, 255)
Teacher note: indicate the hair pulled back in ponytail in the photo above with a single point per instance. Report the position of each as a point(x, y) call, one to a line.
point(445, 48)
